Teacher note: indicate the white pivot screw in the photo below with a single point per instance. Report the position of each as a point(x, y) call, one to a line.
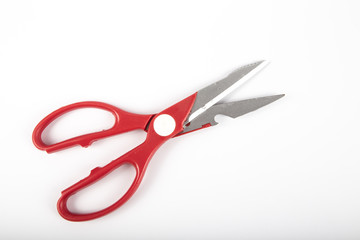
point(164, 125)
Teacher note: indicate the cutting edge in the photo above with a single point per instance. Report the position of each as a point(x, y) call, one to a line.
point(228, 90)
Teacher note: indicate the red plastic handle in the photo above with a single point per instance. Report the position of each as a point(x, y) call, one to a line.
point(139, 157)
point(124, 122)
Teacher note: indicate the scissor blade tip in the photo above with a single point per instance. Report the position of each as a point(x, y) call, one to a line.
point(274, 98)
point(264, 61)
point(260, 64)
point(253, 67)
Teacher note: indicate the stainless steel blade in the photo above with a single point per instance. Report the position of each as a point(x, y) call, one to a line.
point(231, 109)
point(213, 93)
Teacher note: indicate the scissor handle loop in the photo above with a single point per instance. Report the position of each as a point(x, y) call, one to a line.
point(135, 157)
point(124, 121)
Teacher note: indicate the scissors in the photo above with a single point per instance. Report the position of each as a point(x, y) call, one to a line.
point(193, 113)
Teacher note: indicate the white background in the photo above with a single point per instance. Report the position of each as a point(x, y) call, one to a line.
point(290, 170)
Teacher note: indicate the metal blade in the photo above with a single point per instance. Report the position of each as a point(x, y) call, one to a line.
point(213, 93)
point(231, 109)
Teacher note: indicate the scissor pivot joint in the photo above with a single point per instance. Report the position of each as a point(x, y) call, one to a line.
point(164, 125)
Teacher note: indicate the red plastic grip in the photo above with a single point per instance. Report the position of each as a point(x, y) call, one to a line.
point(124, 122)
point(139, 157)
point(142, 157)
